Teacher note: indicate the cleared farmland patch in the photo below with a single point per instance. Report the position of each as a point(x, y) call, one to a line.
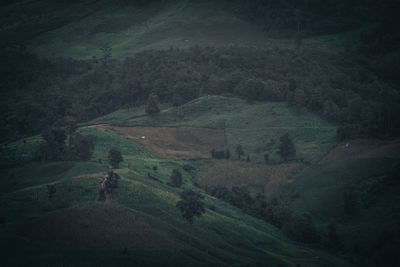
point(259, 178)
point(94, 227)
point(177, 142)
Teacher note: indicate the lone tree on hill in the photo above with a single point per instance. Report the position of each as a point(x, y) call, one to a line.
point(239, 151)
point(286, 147)
point(152, 105)
point(191, 205)
point(114, 157)
point(176, 178)
point(112, 181)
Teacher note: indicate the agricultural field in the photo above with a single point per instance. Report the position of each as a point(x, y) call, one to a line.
point(313, 137)
point(178, 142)
point(258, 178)
point(199, 133)
point(139, 208)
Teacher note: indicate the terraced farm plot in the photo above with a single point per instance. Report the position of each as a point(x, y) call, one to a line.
point(258, 178)
point(177, 142)
point(256, 127)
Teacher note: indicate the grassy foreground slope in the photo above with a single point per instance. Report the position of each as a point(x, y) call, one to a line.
point(72, 228)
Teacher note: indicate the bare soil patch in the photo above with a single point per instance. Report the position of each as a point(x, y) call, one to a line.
point(177, 142)
point(363, 148)
point(259, 178)
point(94, 227)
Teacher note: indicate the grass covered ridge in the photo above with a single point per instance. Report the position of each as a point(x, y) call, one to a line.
point(224, 233)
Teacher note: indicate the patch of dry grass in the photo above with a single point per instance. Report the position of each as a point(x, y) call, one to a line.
point(259, 178)
point(176, 142)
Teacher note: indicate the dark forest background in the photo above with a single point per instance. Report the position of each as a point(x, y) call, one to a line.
point(358, 88)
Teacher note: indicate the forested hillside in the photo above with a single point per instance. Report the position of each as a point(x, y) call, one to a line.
point(356, 88)
point(199, 133)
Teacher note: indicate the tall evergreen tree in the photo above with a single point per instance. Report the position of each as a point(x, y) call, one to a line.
point(176, 178)
point(239, 151)
point(152, 104)
point(115, 157)
point(286, 147)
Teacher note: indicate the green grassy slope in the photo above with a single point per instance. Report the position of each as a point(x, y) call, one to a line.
point(223, 235)
point(257, 127)
point(320, 191)
point(77, 29)
point(19, 152)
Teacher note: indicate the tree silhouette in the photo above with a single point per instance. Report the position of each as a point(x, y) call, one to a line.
point(190, 206)
point(286, 147)
point(114, 157)
point(239, 151)
point(111, 181)
point(176, 178)
point(152, 105)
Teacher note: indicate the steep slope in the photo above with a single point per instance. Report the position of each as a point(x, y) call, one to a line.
point(79, 29)
point(360, 196)
point(78, 230)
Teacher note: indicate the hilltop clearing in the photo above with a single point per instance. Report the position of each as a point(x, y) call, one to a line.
point(257, 126)
point(178, 142)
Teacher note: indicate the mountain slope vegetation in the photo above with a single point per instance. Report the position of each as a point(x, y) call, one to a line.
point(279, 120)
point(139, 201)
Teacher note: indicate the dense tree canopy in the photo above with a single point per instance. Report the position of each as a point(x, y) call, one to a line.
point(190, 205)
point(357, 88)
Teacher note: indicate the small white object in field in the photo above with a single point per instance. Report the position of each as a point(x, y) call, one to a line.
point(143, 137)
point(347, 145)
